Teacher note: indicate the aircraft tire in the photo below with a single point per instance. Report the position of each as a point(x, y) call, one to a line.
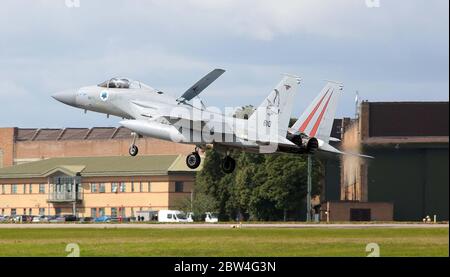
point(228, 165)
point(193, 160)
point(134, 150)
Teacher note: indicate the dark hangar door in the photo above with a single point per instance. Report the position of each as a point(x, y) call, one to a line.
point(360, 215)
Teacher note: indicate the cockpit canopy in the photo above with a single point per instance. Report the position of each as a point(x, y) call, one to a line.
point(123, 83)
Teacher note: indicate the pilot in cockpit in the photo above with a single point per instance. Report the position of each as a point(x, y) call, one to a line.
point(116, 83)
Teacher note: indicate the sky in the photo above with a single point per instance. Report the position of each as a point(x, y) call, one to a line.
point(385, 50)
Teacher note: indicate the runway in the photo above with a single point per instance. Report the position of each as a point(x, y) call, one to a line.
point(220, 226)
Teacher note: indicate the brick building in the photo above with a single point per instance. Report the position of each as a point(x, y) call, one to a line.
point(95, 186)
point(18, 145)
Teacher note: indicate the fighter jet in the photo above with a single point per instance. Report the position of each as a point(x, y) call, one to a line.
point(150, 112)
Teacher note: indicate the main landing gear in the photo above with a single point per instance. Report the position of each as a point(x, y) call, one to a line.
point(228, 164)
point(134, 150)
point(193, 160)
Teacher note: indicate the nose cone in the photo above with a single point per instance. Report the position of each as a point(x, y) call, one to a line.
point(67, 97)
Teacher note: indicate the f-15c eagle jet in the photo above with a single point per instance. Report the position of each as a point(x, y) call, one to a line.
point(150, 112)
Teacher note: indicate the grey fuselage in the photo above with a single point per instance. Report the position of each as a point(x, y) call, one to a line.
point(149, 112)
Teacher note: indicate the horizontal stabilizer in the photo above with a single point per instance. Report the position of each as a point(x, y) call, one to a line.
point(335, 139)
point(328, 148)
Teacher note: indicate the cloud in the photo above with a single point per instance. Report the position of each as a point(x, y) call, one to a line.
point(394, 52)
point(257, 19)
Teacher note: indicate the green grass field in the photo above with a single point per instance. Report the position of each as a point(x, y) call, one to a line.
point(224, 242)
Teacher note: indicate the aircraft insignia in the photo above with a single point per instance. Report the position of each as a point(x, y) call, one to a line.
point(104, 95)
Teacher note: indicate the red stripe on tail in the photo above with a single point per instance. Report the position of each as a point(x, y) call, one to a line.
point(316, 126)
point(311, 115)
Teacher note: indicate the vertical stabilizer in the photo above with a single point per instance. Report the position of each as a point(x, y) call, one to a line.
point(271, 118)
point(317, 120)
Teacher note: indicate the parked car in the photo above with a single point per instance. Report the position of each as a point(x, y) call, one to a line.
point(103, 219)
point(70, 218)
point(57, 219)
point(86, 219)
point(211, 218)
point(39, 219)
point(4, 218)
point(126, 219)
point(22, 218)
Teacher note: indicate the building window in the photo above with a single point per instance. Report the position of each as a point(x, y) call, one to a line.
point(3, 189)
point(58, 211)
point(132, 186)
point(24, 188)
point(114, 187)
point(24, 211)
point(31, 189)
point(41, 188)
point(93, 212)
point(93, 187)
point(101, 211)
point(149, 185)
point(113, 212)
point(3, 211)
point(101, 188)
point(13, 212)
point(30, 211)
point(123, 187)
point(13, 189)
point(41, 211)
point(122, 212)
point(179, 186)
point(141, 187)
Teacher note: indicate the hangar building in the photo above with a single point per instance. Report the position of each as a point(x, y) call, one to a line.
point(409, 141)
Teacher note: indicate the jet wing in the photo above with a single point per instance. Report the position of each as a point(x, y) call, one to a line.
point(151, 111)
point(198, 87)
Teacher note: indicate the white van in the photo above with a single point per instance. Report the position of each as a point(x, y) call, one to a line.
point(171, 216)
point(190, 217)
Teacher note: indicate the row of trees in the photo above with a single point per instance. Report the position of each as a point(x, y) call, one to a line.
point(263, 187)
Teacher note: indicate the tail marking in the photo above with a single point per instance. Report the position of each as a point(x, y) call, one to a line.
point(316, 125)
point(313, 112)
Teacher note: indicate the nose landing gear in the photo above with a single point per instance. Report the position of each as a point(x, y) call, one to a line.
point(134, 150)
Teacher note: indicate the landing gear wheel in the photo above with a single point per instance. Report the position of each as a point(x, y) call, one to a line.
point(228, 164)
point(193, 160)
point(134, 150)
